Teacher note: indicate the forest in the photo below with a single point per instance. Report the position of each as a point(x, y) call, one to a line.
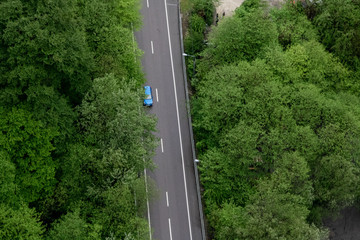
point(73, 140)
point(275, 105)
point(276, 115)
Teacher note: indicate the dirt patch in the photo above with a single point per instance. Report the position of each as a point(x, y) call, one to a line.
point(227, 7)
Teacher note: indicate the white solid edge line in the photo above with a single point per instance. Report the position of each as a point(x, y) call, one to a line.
point(178, 119)
point(157, 95)
point(133, 40)
point(162, 146)
point(147, 203)
point(147, 198)
point(167, 199)
point(152, 47)
point(170, 229)
point(147, 3)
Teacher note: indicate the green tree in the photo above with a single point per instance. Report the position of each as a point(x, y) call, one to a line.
point(335, 181)
point(116, 145)
point(222, 96)
point(7, 179)
point(293, 27)
point(277, 215)
point(194, 43)
point(72, 226)
point(22, 223)
point(319, 67)
point(117, 54)
point(116, 139)
point(234, 159)
point(284, 69)
point(29, 146)
point(110, 118)
point(276, 127)
point(278, 210)
point(109, 36)
point(197, 24)
point(249, 6)
point(55, 112)
point(119, 213)
point(339, 26)
point(57, 156)
point(228, 218)
point(44, 43)
point(204, 9)
point(238, 38)
point(335, 173)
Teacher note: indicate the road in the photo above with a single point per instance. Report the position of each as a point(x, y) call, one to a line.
point(175, 214)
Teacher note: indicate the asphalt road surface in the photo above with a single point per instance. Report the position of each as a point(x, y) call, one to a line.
point(175, 214)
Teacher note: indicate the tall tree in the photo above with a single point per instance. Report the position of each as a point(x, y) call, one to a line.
point(119, 214)
point(72, 226)
point(21, 223)
point(279, 208)
point(274, 135)
point(110, 37)
point(320, 67)
point(339, 26)
point(116, 145)
point(7, 179)
point(29, 146)
point(44, 43)
point(293, 27)
point(240, 37)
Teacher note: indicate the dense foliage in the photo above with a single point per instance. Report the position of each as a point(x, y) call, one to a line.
point(338, 24)
point(73, 139)
point(277, 119)
point(199, 16)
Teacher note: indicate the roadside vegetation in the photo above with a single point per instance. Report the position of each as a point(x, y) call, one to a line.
point(73, 140)
point(197, 19)
point(276, 116)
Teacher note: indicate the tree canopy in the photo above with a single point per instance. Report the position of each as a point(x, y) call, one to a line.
point(276, 120)
point(73, 140)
